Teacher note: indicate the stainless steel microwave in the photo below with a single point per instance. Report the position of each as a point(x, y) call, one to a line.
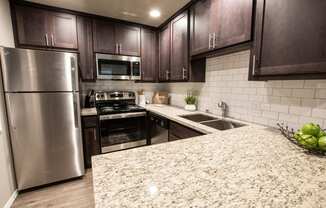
point(117, 67)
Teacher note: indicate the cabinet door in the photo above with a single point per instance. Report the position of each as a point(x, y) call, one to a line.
point(64, 31)
point(290, 38)
point(104, 37)
point(85, 48)
point(177, 131)
point(199, 27)
point(31, 26)
point(231, 21)
point(91, 145)
point(128, 38)
point(179, 48)
point(148, 55)
point(164, 53)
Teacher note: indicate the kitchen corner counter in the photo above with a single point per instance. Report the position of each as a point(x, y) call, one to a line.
point(250, 166)
point(88, 112)
point(174, 113)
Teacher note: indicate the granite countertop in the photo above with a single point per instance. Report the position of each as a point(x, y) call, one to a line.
point(174, 113)
point(88, 112)
point(250, 166)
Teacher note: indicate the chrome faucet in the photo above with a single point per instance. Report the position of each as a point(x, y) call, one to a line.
point(223, 106)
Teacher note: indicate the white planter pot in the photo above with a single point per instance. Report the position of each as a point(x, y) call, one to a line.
point(190, 107)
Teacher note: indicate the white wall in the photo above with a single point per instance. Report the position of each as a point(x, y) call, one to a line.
point(292, 102)
point(7, 182)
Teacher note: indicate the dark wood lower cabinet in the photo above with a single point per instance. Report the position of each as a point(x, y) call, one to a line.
point(178, 131)
point(91, 139)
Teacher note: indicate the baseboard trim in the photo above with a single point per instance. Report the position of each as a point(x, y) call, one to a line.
point(11, 200)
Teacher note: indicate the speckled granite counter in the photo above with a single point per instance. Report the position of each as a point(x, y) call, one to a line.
point(246, 167)
point(88, 112)
point(174, 113)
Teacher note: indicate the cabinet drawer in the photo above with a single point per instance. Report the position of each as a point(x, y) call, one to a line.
point(89, 121)
point(178, 131)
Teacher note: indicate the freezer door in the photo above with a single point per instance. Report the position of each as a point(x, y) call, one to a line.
point(27, 70)
point(45, 136)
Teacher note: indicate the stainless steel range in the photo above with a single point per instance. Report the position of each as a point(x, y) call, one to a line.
point(122, 122)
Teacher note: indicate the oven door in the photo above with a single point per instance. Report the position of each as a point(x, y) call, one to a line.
point(113, 67)
point(122, 131)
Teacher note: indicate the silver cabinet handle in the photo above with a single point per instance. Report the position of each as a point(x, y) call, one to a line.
point(209, 41)
point(214, 40)
point(52, 40)
point(46, 39)
point(94, 135)
point(254, 65)
point(184, 71)
point(167, 75)
point(120, 48)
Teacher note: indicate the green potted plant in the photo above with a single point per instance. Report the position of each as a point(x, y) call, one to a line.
point(191, 102)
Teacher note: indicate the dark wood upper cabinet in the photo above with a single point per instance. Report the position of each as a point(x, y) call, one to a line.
point(85, 48)
point(290, 40)
point(217, 24)
point(32, 27)
point(115, 38)
point(200, 38)
point(64, 32)
point(128, 38)
point(42, 28)
point(232, 22)
point(148, 55)
point(164, 53)
point(179, 48)
point(104, 37)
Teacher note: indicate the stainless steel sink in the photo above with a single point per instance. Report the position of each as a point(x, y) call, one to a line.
point(198, 117)
point(222, 124)
point(213, 122)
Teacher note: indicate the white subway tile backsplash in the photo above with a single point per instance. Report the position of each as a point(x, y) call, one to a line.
point(282, 92)
point(288, 118)
point(292, 102)
point(319, 113)
point(293, 84)
point(302, 111)
point(279, 108)
point(321, 93)
point(304, 93)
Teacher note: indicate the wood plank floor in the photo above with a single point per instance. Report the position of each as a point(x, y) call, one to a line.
point(72, 194)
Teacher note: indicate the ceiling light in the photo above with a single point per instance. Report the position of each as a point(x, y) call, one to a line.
point(155, 13)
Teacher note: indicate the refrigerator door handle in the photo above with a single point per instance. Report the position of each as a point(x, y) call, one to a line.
point(73, 73)
point(75, 100)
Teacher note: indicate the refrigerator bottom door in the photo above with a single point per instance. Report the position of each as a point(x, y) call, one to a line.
point(45, 136)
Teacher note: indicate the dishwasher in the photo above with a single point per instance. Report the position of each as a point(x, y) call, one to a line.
point(159, 129)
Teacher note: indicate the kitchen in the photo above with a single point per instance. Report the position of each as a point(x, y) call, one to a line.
point(179, 103)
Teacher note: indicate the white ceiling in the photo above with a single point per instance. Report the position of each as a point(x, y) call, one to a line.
point(130, 10)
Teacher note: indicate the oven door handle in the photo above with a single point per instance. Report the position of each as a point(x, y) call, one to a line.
point(122, 115)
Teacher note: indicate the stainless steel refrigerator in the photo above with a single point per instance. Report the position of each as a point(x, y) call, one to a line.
point(42, 99)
